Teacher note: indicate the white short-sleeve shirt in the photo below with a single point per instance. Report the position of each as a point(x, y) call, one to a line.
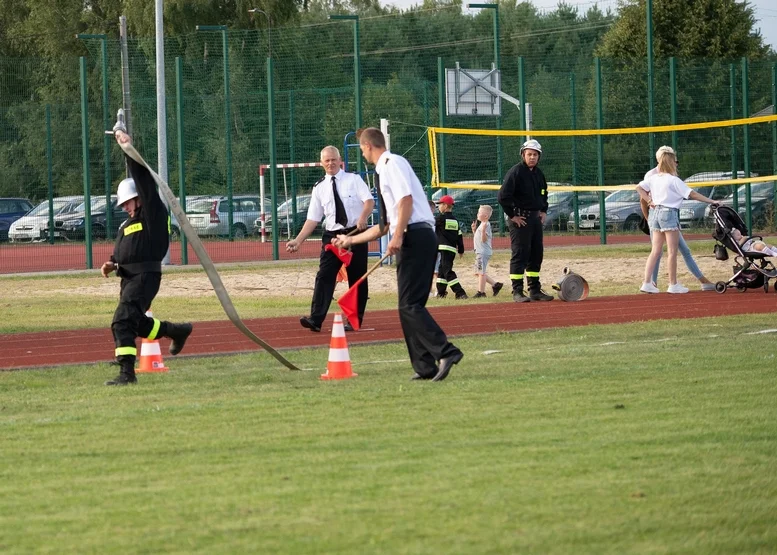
point(398, 180)
point(353, 191)
point(666, 189)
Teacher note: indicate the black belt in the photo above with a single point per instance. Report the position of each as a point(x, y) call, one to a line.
point(419, 225)
point(526, 213)
point(140, 267)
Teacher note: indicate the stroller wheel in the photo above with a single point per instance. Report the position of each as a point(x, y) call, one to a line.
point(721, 287)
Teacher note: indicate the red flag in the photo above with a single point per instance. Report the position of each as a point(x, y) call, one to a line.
point(343, 254)
point(349, 302)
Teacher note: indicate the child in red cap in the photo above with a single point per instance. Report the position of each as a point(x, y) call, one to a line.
point(450, 241)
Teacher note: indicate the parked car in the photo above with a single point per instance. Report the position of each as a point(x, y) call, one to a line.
point(692, 211)
point(761, 204)
point(29, 227)
point(210, 215)
point(560, 206)
point(288, 224)
point(72, 225)
point(467, 202)
point(11, 209)
point(622, 211)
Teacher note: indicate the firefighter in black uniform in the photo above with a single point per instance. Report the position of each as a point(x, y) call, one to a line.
point(524, 198)
point(141, 244)
point(449, 241)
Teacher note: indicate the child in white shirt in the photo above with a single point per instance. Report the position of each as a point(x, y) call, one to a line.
point(483, 251)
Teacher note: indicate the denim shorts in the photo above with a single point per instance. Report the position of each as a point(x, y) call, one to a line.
point(437, 264)
point(663, 218)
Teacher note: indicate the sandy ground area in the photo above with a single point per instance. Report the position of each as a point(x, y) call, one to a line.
point(280, 282)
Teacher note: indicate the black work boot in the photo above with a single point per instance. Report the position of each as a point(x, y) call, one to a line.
point(535, 290)
point(519, 296)
point(540, 295)
point(179, 333)
point(127, 373)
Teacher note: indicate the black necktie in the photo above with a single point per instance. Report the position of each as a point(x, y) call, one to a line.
point(382, 220)
point(340, 216)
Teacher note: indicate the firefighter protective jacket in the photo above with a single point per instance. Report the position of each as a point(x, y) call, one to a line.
point(523, 189)
point(449, 237)
point(145, 237)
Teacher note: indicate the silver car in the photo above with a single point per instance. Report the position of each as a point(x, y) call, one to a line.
point(34, 225)
point(622, 211)
point(210, 215)
point(692, 211)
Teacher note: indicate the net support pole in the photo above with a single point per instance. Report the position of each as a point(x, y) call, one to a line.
point(181, 151)
point(673, 97)
point(441, 117)
point(600, 152)
point(774, 138)
point(573, 103)
point(733, 104)
point(273, 156)
point(746, 146)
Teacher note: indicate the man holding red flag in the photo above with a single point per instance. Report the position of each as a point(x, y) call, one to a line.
point(345, 203)
point(404, 206)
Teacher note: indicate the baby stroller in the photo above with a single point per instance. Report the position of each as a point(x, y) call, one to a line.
point(752, 269)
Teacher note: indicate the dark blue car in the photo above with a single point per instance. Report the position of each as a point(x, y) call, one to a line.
point(11, 209)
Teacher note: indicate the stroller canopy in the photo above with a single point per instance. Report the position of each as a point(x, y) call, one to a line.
point(727, 219)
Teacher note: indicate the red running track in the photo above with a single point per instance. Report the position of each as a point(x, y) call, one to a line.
point(88, 346)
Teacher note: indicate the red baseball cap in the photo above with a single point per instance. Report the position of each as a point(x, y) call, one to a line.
point(446, 199)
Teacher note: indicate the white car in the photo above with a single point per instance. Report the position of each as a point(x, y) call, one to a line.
point(30, 227)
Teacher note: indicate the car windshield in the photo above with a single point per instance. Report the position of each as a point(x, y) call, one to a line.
point(96, 205)
point(200, 206)
point(555, 197)
point(756, 190)
point(302, 205)
point(628, 195)
point(43, 208)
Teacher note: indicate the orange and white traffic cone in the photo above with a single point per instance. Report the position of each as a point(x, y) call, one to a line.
point(151, 355)
point(339, 365)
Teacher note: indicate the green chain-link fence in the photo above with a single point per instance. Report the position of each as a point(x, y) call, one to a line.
point(314, 92)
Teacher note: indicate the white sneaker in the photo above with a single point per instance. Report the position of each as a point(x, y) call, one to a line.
point(708, 287)
point(649, 288)
point(677, 288)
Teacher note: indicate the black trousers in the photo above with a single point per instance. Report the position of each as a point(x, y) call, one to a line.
point(326, 278)
point(527, 252)
point(425, 340)
point(447, 274)
point(130, 320)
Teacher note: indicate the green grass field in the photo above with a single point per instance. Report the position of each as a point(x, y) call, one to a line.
point(656, 437)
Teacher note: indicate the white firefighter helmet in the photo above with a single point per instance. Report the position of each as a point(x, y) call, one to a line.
point(531, 144)
point(127, 191)
point(664, 150)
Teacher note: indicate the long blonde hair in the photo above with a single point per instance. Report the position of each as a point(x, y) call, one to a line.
point(667, 163)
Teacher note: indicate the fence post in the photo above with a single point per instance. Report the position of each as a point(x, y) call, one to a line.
point(85, 161)
point(181, 151)
point(673, 97)
point(732, 72)
point(273, 158)
point(774, 139)
point(575, 205)
point(49, 171)
point(441, 117)
point(746, 146)
point(600, 152)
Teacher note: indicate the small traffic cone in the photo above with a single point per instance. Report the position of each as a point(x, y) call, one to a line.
point(151, 355)
point(339, 365)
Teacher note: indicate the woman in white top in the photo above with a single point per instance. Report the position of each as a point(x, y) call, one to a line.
point(664, 192)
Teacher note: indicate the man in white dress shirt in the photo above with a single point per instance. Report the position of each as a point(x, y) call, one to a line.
point(345, 203)
point(405, 207)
